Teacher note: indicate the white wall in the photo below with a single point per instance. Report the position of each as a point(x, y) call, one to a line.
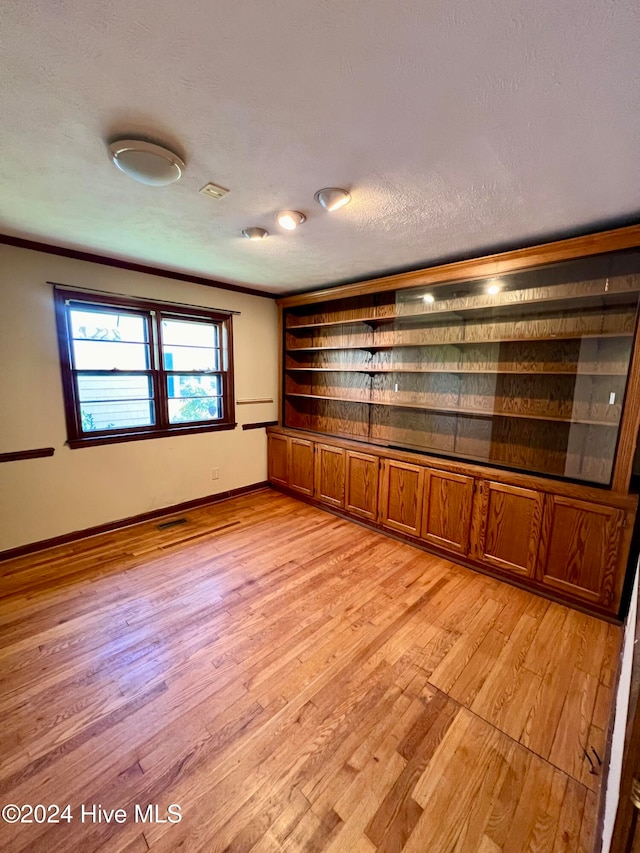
point(612, 797)
point(76, 489)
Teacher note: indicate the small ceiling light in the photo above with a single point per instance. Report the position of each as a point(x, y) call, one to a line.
point(331, 198)
point(145, 162)
point(494, 287)
point(290, 219)
point(255, 233)
point(429, 297)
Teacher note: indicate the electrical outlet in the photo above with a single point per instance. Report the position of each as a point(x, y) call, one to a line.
point(215, 473)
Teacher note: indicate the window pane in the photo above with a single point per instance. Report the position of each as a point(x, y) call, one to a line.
point(191, 358)
point(189, 333)
point(194, 386)
point(105, 355)
point(195, 409)
point(116, 415)
point(107, 326)
point(117, 387)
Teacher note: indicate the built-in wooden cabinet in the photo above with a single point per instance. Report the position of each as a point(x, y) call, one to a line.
point(487, 409)
point(401, 492)
point(301, 465)
point(330, 474)
point(534, 531)
point(579, 550)
point(446, 510)
point(361, 497)
point(278, 459)
point(509, 523)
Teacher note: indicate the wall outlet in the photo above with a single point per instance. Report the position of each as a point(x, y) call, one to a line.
point(215, 473)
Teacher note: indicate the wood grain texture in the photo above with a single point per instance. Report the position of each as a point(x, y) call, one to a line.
point(510, 527)
point(278, 459)
point(579, 548)
point(478, 471)
point(490, 266)
point(296, 682)
point(301, 465)
point(330, 474)
point(401, 494)
point(362, 484)
point(446, 518)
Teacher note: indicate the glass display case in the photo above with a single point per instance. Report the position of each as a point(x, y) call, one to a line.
point(525, 371)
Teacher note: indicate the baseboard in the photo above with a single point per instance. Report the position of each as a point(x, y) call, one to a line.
point(41, 545)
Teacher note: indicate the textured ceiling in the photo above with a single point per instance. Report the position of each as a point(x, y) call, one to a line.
point(458, 126)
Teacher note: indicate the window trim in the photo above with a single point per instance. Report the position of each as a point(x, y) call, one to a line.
point(157, 311)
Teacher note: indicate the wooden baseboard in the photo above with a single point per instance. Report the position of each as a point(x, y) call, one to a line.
point(42, 544)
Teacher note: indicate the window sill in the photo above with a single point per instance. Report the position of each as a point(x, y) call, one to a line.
point(91, 441)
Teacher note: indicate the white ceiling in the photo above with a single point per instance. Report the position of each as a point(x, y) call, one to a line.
point(459, 126)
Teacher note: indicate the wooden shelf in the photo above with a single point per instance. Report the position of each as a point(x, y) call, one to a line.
point(373, 347)
point(540, 299)
point(455, 410)
point(454, 371)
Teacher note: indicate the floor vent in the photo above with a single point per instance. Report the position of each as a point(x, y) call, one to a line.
point(173, 523)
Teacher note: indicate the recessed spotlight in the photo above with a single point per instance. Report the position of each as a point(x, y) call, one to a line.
point(331, 198)
point(255, 233)
point(146, 163)
point(290, 219)
point(494, 287)
point(429, 297)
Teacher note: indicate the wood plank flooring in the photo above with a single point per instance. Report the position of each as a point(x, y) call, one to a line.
point(294, 682)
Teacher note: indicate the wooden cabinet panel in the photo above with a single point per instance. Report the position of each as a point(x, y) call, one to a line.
point(446, 516)
point(362, 485)
point(278, 459)
point(579, 548)
point(301, 466)
point(330, 474)
point(401, 496)
point(509, 527)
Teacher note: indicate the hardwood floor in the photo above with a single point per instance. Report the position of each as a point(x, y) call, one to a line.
point(294, 682)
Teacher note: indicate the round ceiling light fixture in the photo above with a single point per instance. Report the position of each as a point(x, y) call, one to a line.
point(494, 287)
point(145, 162)
point(255, 233)
point(290, 219)
point(332, 198)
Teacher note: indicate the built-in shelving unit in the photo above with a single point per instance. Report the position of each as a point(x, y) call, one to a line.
point(531, 375)
point(488, 409)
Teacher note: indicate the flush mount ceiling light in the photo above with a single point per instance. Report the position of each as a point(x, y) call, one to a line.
point(494, 287)
point(145, 162)
point(429, 297)
point(255, 233)
point(290, 219)
point(331, 198)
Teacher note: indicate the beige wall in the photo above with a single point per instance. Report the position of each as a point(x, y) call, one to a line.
point(76, 489)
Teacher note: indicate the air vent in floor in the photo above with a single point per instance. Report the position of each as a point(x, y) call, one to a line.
point(173, 523)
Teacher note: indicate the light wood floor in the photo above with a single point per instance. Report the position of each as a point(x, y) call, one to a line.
point(295, 683)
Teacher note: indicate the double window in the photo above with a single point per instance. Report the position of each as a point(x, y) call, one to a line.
point(135, 370)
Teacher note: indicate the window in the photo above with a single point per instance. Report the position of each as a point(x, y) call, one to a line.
point(136, 369)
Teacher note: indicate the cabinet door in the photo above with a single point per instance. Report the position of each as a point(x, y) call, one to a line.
point(301, 465)
point(362, 485)
point(330, 474)
point(579, 548)
point(278, 459)
point(401, 496)
point(446, 515)
point(509, 527)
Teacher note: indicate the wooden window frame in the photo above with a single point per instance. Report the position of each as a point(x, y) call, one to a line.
point(154, 312)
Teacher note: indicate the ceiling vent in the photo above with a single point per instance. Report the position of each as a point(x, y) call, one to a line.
point(214, 191)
